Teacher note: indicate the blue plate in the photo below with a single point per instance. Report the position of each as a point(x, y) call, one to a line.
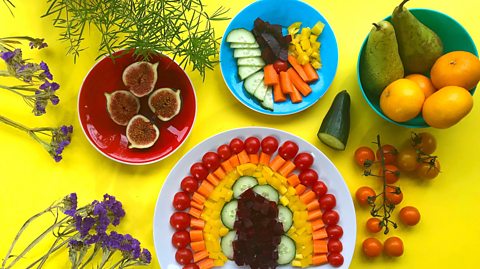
point(283, 12)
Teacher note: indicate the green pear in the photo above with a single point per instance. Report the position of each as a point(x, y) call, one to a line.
point(418, 45)
point(381, 63)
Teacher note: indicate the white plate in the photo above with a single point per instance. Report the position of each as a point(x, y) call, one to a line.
point(162, 231)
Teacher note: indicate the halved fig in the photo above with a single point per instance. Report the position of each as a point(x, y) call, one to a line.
point(140, 78)
point(141, 132)
point(122, 106)
point(165, 103)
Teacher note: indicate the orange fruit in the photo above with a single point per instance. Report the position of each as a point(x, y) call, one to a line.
point(456, 68)
point(402, 100)
point(424, 82)
point(447, 106)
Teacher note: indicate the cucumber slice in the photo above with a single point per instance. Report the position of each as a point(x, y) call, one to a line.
point(268, 100)
point(246, 71)
point(229, 214)
point(242, 53)
point(227, 244)
point(267, 191)
point(242, 184)
point(260, 92)
point(285, 216)
point(335, 126)
point(251, 61)
point(252, 82)
point(286, 250)
point(244, 45)
point(241, 35)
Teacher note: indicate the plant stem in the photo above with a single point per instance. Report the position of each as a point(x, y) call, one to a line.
point(53, 250)
point(14, 124)
point(94, 253)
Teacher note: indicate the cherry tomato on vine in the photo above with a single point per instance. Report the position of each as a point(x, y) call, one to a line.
point(428, 169)
point(189, 184)
point(303, 160)
point(335, 259)
point(236, 145)
point(180, 221)
point(363, 193)
point(180, 239)
point(372, 247)
point(269, 144)
point(425, 142)
point(392, 173)
point(330, 217)
point(389, 154)
point(393, 246)
point(198, 171)
point(191, 266)
point(308, 177)
point(392, 195)
point(211, 161)
point(407, 159)
point(334, 245)
point(373, 225)
point(334, 231)
point(288, 150)
point(184, 256)
point(224, 152)
point(409, 215)
point(319, 188)
point(364, 156)
point(181, 200)
point(280, 66)
point(327, 202)
point(252, 145)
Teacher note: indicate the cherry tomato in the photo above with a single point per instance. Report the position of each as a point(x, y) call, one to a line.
point(335, 259)
point(327, 202)
point(280, 66)
point(184, 256)
point(334, 245)
point(191, 266)
point(392, 195)
point(334, 231)
point(303, 160)
point(392, 173)
point(189, 184)
point(252, 145)
point(389, 154)
point(288, 150)
point(393, 246)
point(428, 169)
point(211, 160)
point(180, 239)
point(224, 152)
point(180, 221)
point(409, 215)
point(198, 171)
point(364, 156)
point(363, 193)
point(308, 177)
point(181, 200)
point(407, 159)
point(373, 225)
point(372, 247)
point(424, 142)
point(330, 217)
point(269, 144)
point(320, 188)
point(236, 145)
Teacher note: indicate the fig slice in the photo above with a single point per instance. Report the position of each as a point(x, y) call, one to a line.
point(141, 132)
point(165, 103)
point(122, 106)
point(140, 78)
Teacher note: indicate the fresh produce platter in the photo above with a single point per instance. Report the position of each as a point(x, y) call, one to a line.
point(218, 219)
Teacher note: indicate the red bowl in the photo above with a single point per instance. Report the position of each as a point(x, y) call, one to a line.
point(108, 137)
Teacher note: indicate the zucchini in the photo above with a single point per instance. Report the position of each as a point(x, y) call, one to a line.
point(229, 214)
point(267, 102)
point(286, 250)
point(251, 61)
point(335, 126)
point(244, 45)
point(285, 216)
point(242, 184)
point(243, 53)
point(227, 244)
point(252, 82)
point(241, 35)
point(246, 71)
point(267, 192)
point(260, 92)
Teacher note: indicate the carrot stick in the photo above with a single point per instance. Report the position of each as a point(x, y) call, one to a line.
point(227, 166)
point(298, 82)
point(243, 157)
point(295, 96)
point(293, 61)
point(219, 173)
point(317, 224)
point(264, 158)
point(315, 214)
point(278, 95)
point(234, 161)
point(205, 188)
point(198, 256)
point(276, 163)
point(197, 223)
point(320, 246)
point(196, 235)
point(320, 234)
point(293, 180)
point(285, 83)
point(197, 246)
point(270, 75)
point(197, 197)
point(312, 74)
point(253, 158)
point(307, 197)
point(195, 212)
point(313, 205)
point(196, 205)
point(213, 179)
point(206, 264)
point(319, 259)
point(300, 189)
point(287, 168)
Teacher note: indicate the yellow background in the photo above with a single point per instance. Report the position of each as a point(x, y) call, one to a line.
point(447, 236)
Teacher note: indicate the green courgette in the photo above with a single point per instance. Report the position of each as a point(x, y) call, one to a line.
point(335, 126)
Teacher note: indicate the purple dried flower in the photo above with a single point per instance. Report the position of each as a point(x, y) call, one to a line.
point(46, 71)
point(7, 55)
point(55, 100)
point(115, 207)
point(83, 225)
point(102, 224)
point(93, 239)
point(70, 204)
point(145, 256)
point(75, 244)
point(38, 43)
point(113, 241)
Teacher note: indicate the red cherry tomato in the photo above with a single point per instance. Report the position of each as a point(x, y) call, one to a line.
point(392, 173)
point(211, 161)
point(330, 217)
point(303, 160)
point(180, 239)
point(184, 256)
point(288, 150)
point(280, 66)
point(308, 177)
point(198, 171)
point(334, 231)
point(181, 200)
point(320, 188)
point(334, 245)
point(189, 184)
point(389, 154)
point(327, 202)
point(224, 152)
point(180, 221)
point(364, 156)
point(335, 259)
point(252, 145)
point(236, 145)
point(269, 144)
point(191, 266)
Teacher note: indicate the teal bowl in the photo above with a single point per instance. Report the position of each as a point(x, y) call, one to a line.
point(453, 36)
